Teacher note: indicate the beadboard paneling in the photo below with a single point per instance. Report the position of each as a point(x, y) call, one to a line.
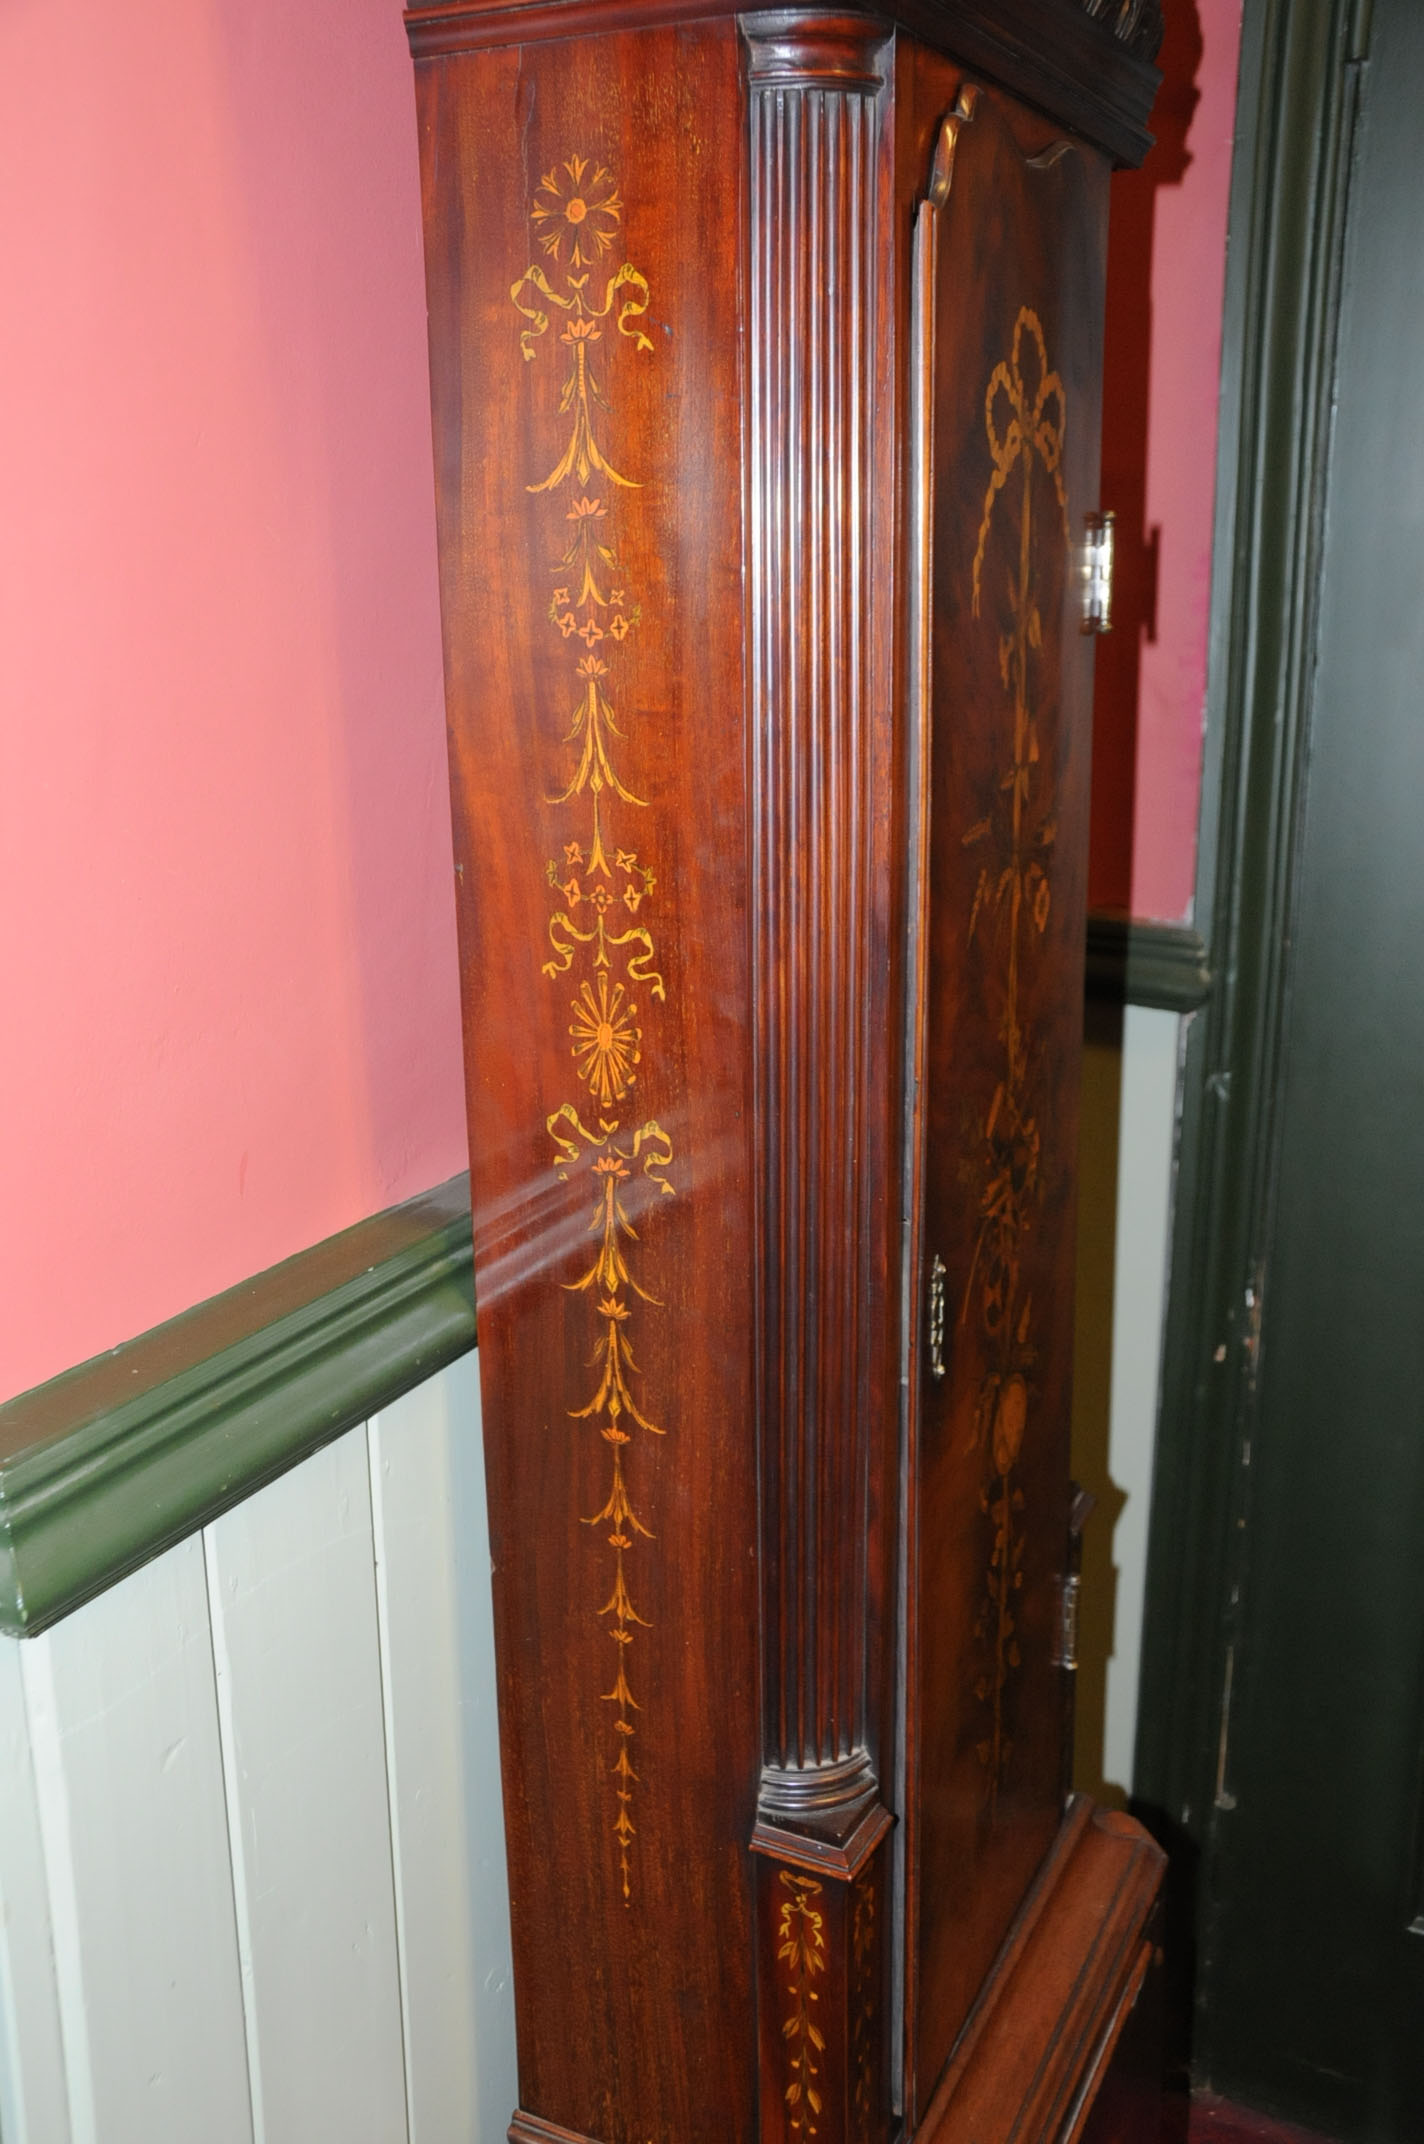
point(34, 2100)
point(427, 1483)
point(128, 1776)
point(1151, 1050)
point(252, 1882)
point(292, 1586)
point(1129, 1119)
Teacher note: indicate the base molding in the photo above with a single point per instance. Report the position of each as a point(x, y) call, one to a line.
point(532, 2129)
point(1040, 2037)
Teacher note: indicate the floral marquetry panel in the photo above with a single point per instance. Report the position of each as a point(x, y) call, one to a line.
point(823, 1977)
point(1012, 404)
point(584, 337)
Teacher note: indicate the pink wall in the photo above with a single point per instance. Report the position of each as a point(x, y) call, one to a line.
point(1166, 265)
point(227, 964)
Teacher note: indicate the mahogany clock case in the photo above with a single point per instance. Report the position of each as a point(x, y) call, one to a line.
point(766, 358)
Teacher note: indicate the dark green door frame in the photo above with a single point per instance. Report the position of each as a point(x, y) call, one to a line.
point(1297, 103)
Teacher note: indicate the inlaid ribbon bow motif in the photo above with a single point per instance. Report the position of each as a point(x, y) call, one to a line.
point(1022, 427)
point(600, 888)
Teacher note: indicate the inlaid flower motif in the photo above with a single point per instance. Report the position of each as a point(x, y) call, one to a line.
point(577, 211)
point(640, 879)
point(1010, 1421)
point(606, 1039)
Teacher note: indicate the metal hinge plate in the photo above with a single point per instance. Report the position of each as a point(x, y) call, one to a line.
point(1065, 1653)
point(936, 1327)
point(1097, 573)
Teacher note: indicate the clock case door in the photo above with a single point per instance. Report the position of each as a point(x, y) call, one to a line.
point(1006, 339)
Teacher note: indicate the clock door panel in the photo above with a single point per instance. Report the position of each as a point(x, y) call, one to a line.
point(1011, 302)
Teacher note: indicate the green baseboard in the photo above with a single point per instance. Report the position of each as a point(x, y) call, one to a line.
point(116, 1460)
point(1134, 963)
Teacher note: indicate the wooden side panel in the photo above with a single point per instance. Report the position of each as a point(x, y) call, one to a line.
point(34, 2097)
point(437, 1653)
point(582, 225)
point(124, 1734)
point(1014, 455)
point(295, 1641)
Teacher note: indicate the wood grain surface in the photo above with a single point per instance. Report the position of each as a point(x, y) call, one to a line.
point(633, 1893)
point(1015, 442)
point(743, 998)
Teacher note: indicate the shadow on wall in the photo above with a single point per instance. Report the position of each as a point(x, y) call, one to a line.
point(1126, 415)
point(1092, 1392)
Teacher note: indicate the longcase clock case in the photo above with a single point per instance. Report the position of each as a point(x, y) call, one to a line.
point(765, 358)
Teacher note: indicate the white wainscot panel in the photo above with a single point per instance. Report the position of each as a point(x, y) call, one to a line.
point(433, 1573)
point(1151, 1046)
point(252, 1870)
point(292, 1587)
point(34, 2098)
point(123, 1730)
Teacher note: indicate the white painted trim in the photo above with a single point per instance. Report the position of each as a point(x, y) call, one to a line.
point(1151, 1050)
point(383, 1627)
point(496, 2068)
point(432, 1563)
point(227, 1744)
point(294, 1606)
point(52, 1799)
point(34, 2095)
point(129, 1774)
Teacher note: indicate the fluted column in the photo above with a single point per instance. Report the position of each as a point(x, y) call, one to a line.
point(817, 93)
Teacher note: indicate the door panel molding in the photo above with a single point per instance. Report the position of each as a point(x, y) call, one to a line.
point(1297, 109)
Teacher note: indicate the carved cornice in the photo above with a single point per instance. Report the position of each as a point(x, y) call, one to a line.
point(1134, 23)
point(1085, 62)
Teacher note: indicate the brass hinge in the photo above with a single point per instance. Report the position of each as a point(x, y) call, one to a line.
point(1097, 573)
point(1065, 1654)
point(936, 1329)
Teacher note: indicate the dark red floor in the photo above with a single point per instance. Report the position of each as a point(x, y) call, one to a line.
point(1214, 2121)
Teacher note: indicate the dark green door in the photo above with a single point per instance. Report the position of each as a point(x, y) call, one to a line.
point(1311, 1936)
